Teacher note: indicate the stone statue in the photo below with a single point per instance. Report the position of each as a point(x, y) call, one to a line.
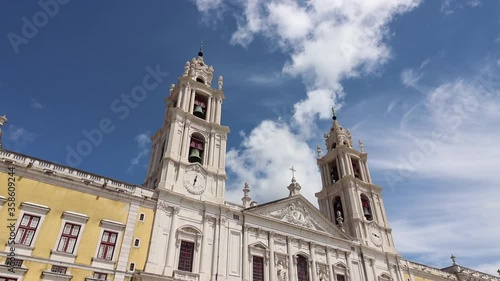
point(172, 88)
point(322, 275)
point(281, 271)
point(318, 150)
point(221, 82)
point(361, 146)
point(186, 69)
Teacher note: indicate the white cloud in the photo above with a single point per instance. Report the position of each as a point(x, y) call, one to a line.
point(17, 137)
point(36, 105)
point(268, 79)
point(208, 5)
point(410, 77)
point(264, 159)
point(327, 41)
point(143, 144)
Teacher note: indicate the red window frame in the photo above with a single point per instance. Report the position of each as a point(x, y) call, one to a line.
point(27, 229)
point(302, 269)
point(186, 255)
point(69, 237)
point(258, 268)
point(107, 246)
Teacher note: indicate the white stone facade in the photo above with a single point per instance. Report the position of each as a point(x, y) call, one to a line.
point(351, 242)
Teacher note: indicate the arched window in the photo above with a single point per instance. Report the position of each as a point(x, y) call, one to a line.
point(367, 210)
point(198, 79)
point(334, 145)
point(302, 269)
point(356, 168)
point(196, 148)
point(200, 106)
point(334, 173)
point(337, 208)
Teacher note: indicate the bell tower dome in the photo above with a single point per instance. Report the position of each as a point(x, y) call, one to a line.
point(348, 197)
point(188, 153)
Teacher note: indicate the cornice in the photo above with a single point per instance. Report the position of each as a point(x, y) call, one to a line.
point(67, 177)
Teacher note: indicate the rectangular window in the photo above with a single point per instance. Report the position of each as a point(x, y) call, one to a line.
point(340, 277)
point(107, 246)
point(258, 268)
point(131, 267)
point(69, 236)
point(59, 269)
point(142, 217)
point(7, 279)
point(137, 242)
point(186, 256)
point(100, 276)
point(26, 230)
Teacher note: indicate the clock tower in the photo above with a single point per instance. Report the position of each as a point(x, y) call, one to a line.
point(348, 197)
point(189, 151)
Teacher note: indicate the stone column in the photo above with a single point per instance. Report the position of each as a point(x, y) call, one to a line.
point(204, 243)
point(329, 264)
point(342, 167)
point(186, 93)
point(215, 250)
point(185, 139)
point(272, 272)
point(219, 107)
point(191, 104)
point(209, 109)
point(245, 254)
point(291, 260)
point(171, 238)
point(312, 250)
point(179, 96)
point(223, 246)
point(349, 266)
point(212, 147)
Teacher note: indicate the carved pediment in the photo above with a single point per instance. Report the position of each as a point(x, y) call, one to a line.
point(297, 211)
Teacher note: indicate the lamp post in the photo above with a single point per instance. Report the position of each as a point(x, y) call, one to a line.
point(3, 120)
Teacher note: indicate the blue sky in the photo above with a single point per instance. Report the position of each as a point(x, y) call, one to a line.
point(418, 81)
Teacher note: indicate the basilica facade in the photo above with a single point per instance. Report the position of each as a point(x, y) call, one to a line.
point(178, 225)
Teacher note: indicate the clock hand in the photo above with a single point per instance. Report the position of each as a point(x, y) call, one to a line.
point(195, 180)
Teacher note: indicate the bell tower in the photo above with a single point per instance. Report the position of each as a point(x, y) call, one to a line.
point(189, 151)
point(348, 197)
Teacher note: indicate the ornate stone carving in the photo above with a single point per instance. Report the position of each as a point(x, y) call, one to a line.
point(162, 206)
point(186, 69)
point(220, 82)
point(281, 270)
point(297, 214)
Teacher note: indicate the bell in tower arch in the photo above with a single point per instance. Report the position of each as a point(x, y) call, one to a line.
point(198, 112)
point(194, 156)
point(196, 149)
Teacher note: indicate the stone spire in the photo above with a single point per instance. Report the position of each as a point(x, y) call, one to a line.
point(246, 196)
point(337, 135)
point(3, 120)
point(294, 187)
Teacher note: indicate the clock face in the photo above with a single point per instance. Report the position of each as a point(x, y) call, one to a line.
point(194, 182)
point(375, 235)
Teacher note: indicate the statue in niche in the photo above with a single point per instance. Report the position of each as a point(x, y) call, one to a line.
point(281, 271)
point(322, 276)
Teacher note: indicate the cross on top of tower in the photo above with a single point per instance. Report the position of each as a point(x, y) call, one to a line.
point(293, 171)
point(200, 53)
point(334, 115)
